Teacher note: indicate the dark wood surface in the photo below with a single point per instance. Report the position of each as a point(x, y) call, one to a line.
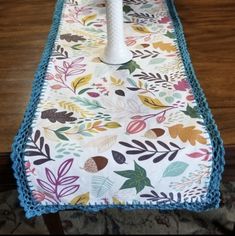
point(210, 33)
point(53, 223)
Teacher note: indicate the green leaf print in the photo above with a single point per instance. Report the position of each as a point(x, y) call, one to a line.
point(136, 178)
point(175, 169)
point(192, 112)
point(131, 66)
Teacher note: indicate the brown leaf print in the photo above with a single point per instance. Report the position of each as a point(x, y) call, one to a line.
point(62, 117)
point(187, 134)
point(72, 38)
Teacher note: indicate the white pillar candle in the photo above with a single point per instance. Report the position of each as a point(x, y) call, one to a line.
point(116, 51)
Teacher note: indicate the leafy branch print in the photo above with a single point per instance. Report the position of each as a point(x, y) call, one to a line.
point(100, 185)
point(61, 116)
point(156, 78)
point(146, 16)
point(55, 182)
point(135, 2)
point(152, 103)
point(138, 122)
point(145, 54)
point(91, 104)
point(75, 108)
point(64, 72)
point(140, 86)
point(60, 53)
point(86, 130)
point(189, 133)
point(149, 150)
point(35, 146)
point(195, 177)
point(74, 14)
point(80, 81)
point(136, 178)
point(162, 197)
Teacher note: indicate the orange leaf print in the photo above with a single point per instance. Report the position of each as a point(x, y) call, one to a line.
point(164, 46)
point(187, 134)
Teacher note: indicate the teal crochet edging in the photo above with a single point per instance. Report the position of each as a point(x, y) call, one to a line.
point(33, 208)
point(213, 195)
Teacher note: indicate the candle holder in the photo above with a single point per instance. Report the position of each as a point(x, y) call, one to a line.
point(116, 52)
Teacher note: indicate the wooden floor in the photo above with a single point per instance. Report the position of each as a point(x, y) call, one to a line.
point(210, 33)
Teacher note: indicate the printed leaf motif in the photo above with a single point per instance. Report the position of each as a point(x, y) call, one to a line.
point(117, 201)
point(150, 150)
point(156, 78)
point(56, 190)
point(131, 66)
point(136, 178)
point(64, 168)
point(100, 185)
point(36, 149)
point(62, 117)
point(81, 199)
point(45, 186)
point(103, 143)
point(91, 104)
point(127, 9)
point(140, 29)
point(72, 38)
point(117, 82)
point(50, 176)
point(195, 177)
point(187, 134)
point(68, 180)
point(145, 53)
point(68, 190)
point(162, 197)
point(81, 81)
point(192, 112)
point(118, 157)
point(175, 169)
point(164, 46)
point(170, 35)
point(112, 125)
point(85, 19)
point(152, 103)
point(75, 108)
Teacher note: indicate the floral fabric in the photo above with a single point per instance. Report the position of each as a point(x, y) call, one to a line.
point(125, 134)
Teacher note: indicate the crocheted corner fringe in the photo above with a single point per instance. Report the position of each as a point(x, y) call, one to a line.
point(32, 208)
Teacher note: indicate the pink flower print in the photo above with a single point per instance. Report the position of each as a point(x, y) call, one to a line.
point(38, 196)
point(164, 20)
point(182, 85)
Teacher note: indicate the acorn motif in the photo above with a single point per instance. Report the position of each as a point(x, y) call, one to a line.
point(154, 133)
point(95, 164)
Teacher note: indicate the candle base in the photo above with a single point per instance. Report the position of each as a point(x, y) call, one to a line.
point(116, 58)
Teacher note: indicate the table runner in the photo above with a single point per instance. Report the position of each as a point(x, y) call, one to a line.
point(137, 135)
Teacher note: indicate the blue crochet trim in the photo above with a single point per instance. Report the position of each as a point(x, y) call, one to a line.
point(213, 194)
point(33, 208)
